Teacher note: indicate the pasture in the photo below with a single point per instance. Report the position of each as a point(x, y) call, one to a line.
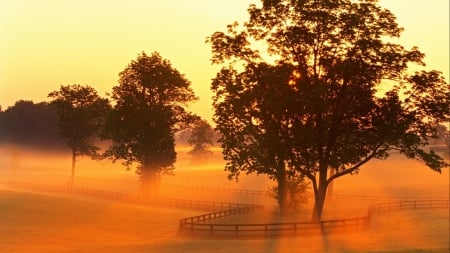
point(55, 222)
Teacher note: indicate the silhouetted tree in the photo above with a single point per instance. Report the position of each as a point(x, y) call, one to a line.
point(201, 140)
point(30, 125)
point(250, 114)
point(298, 92)
point(81, 112)
point(149, 109)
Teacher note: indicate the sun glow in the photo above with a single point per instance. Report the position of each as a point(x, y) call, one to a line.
point(294, 80)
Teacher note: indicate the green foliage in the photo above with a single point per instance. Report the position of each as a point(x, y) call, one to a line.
point(149, 109)
point(298, 92)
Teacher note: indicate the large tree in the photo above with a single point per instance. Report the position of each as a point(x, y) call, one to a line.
point(81, 113)
point(300, 92)
point(149, 108)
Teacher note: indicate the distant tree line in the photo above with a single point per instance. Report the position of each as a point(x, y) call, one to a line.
point(30, 124)
point(34, 125)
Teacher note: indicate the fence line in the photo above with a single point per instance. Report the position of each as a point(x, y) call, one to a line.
point(129, 197)
point(223, 190)
point(271, 229)
point(196, 225)
point(268, 194)
point(405, 205)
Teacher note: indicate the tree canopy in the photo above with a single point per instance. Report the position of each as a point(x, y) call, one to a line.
point(149, 108)
point(81, 113)
point(301, 92)
point(32, 125)
point(201, 140)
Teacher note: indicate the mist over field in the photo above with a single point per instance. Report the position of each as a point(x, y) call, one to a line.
point(235, 126)
point(51, 222)
point(396, 176)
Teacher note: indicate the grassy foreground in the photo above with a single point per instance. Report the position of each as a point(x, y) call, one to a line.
point(32, 222)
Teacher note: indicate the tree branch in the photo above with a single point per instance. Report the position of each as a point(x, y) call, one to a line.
point(355, 167)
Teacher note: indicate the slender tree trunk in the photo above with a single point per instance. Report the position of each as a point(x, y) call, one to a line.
point(330, 185)
point(282, 195)
point(74, 160)
point(320, 195)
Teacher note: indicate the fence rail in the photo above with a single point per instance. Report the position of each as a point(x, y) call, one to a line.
point(412, 204)
point(271, 229)
point(189, 221)
point(219, 190)
point(263, 193)
point(129, 197)
point(196, 225)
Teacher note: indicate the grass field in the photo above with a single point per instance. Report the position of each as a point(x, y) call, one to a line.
point(32, 222)
point(36, 222)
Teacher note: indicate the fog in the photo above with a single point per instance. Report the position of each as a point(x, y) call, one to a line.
point(69, 223)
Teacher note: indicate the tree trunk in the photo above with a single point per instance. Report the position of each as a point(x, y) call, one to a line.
point(319, 196)
point(283, 194)
point(330, 185)
point(74, 160)
point(149, 179)
point(282, 187)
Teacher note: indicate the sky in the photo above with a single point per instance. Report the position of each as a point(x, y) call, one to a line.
point(48, 43)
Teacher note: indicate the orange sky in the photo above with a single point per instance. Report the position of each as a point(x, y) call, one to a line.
point(47, 43)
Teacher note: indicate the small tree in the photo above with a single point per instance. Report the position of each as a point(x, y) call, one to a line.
point(149, 109)
point(201, 140)
point(81, 115)
point(297, 193)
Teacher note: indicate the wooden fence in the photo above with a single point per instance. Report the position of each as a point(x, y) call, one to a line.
point(129, 197)
point(200, 225)
point(411, 204)
point(263, 193)
point(217, 189)
point(271, 229)
point(197, 226)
